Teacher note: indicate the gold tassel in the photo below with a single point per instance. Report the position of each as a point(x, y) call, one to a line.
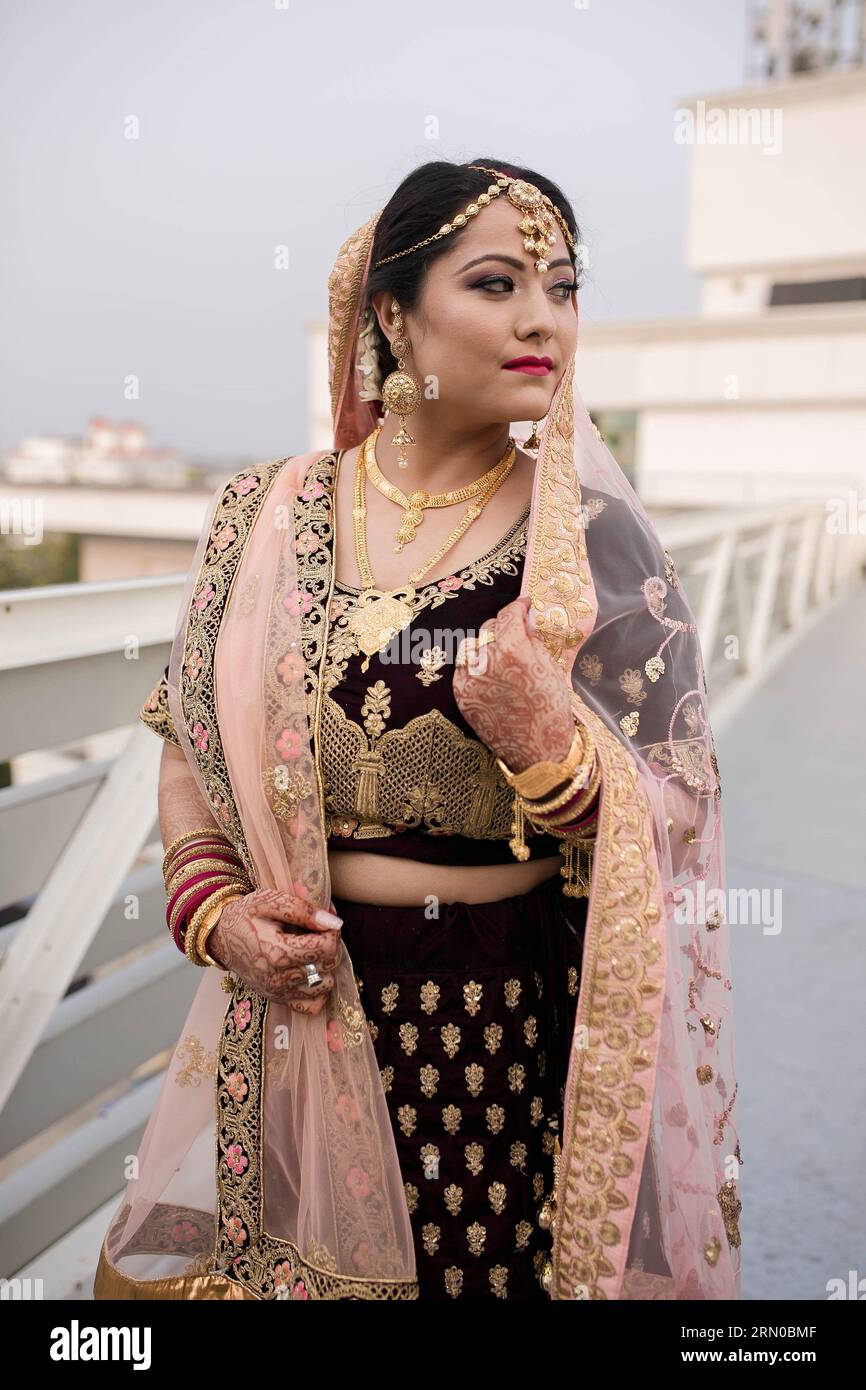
point(547, 1216)
point(577, 882)
point(367, 795)
point(517, 843)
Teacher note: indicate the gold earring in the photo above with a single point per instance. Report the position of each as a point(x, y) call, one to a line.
point(401, 392)
point(533, 442)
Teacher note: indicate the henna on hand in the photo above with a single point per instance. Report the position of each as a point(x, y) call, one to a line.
point(515, 695)
point(250, 939)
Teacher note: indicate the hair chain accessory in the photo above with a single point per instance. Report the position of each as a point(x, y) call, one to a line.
point(536, 227)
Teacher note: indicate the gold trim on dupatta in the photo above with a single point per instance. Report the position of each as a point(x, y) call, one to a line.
point(265, 1265)
point(232, 523)
point(350, 414)
point(617, 1029)
point(109, 1283)
point(609, 1089)
point(557, 576)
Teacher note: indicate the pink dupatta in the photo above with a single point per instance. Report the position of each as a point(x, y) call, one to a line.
point(305, 1197)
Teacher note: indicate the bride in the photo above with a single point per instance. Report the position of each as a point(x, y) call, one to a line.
point(441, 811)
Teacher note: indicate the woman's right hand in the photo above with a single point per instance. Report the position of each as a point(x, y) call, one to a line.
point(249, 940)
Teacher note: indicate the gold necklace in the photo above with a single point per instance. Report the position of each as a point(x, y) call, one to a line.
point(381, 613)
point(415, 504)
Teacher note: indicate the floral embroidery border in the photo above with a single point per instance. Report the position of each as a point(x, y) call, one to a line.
point(559, 572)
point(231, 525)
point(263, 1264)
point(620, 1006)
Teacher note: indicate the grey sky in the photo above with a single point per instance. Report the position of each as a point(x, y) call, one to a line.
point(266, 124)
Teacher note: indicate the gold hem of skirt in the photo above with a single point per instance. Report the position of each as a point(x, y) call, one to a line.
point(110, 1283)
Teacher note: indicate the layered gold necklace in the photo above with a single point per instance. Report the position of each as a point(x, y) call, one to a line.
point(381, 613)
point(420, 500)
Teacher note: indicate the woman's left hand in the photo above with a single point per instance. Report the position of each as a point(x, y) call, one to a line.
point(515, 695)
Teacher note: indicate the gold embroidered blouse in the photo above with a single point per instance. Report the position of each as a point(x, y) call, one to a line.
point(397, 757)
point(401, 767)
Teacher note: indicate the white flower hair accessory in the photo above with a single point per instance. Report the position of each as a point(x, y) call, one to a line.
point(368, 361)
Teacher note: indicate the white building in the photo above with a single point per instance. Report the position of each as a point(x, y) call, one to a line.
point(762, 395)
point(109, 454)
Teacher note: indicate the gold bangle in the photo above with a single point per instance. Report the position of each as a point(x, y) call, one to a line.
point(584, 839)
point(217, 881)
point(573, 811)
point(209, 924)
point(189, 853)
point(200, 866)
point(556, 802)
point(544, 777)
point(585, 773)
point(192, 835)
point(217, 898)
point(583, 801)
point(209, 904)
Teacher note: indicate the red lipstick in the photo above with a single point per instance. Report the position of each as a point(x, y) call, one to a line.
point(533, 366)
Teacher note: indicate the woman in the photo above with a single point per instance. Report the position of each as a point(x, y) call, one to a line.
point(502, 1066)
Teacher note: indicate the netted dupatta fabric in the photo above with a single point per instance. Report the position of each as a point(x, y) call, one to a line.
point(647, 1200)
point(280, 1177)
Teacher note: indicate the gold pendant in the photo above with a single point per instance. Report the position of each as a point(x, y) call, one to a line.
point(413, 515)
point(378, 617)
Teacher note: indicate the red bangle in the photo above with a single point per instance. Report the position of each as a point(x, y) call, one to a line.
point(188, 883)
point(214, 880)
point(204, 877)
point(563, 810)
point(179, 932)
point(186, 916)
point(188, 855)
point(579, 824)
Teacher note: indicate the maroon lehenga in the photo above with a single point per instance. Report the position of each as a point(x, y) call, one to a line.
point(472, 1014)
point(471, 1006)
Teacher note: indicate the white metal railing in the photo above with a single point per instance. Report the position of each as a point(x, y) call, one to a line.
point(756, 579)
point(92, 996)
point(92, 991)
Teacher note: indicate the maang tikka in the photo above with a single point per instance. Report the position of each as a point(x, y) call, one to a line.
point(401, 392)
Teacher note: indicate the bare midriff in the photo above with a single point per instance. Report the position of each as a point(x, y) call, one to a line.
point(388, 881)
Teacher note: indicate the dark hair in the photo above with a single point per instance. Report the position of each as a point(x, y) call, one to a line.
point(427, 198)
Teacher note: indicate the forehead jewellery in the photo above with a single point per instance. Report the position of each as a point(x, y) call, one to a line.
point(537, 226)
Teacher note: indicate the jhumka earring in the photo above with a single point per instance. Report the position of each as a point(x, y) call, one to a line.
point(401, 392)
point(533, 442)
